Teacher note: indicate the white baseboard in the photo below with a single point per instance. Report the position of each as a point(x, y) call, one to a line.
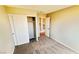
point(66, 46)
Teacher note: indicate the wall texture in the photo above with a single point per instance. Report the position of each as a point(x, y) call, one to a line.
point(65, 27)
point(6, 43)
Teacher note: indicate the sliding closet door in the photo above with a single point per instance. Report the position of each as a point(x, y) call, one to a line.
point(21, 29)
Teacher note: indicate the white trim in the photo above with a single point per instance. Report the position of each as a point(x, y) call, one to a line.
point(11, 35)
point(36, 20)
point(36, 24)
point(66, 45)
point(36, 28)
point(12, 26)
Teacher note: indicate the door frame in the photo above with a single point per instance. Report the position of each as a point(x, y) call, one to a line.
point(50, 28)
point(36, 26)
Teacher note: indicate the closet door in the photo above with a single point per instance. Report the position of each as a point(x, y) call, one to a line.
point(21, 29)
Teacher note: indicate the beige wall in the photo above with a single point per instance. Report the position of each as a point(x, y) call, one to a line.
point(22, 11)
point(6, 43)
point(65, 27)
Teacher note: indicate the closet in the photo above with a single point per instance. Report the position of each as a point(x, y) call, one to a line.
point(32, 28)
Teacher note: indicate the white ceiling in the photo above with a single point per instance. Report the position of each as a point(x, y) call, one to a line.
point(42, 8)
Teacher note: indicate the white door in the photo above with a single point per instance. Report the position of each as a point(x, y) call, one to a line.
point(47, 26)
point(20, 27)
point(31, 29)
point(12, 29)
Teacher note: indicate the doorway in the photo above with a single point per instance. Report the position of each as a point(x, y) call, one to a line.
point(32, 28)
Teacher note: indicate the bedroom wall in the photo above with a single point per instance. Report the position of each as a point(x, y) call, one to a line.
point(65, 27)
point(6, 43)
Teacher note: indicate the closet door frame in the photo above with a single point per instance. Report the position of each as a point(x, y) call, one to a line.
point(37, 27)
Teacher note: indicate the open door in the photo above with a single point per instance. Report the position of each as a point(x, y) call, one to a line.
point(47, 26)
point(12, 29)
